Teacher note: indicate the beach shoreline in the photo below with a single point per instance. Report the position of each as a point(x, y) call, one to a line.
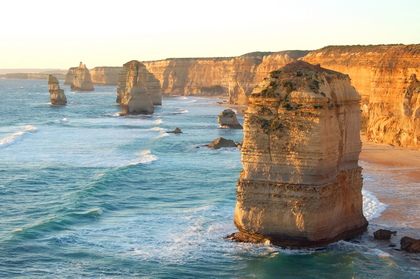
point(406, 159)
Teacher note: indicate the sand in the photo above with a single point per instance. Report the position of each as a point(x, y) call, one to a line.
point(408, 159)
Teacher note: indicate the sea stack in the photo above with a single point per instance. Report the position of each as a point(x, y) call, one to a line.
point(301, 184)
point(57, 96)
point(228, 119)
point(132, 93)
point(81, 79)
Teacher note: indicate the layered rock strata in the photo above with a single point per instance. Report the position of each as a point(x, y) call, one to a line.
point(384, 75)
point(232, 76)
point(81, 79)
point(105, 75)
point(138, 90)
point(301, 184)
point(57, 96)
point(228, 119)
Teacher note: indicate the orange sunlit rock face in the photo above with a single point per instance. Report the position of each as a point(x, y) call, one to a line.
point(301, 184)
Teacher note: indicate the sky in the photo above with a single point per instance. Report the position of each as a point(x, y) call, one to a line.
point(60, 34)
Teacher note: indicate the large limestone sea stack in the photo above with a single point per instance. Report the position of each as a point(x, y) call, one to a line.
point(138, 90)
point(57, 96)
point(81, 79)
point(301, 184)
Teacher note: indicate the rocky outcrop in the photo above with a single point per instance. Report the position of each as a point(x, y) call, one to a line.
point(221, 143)
point(228, 119)
point(57, 96)
point(301, 184)
point(176, 131)
point(105, 75)
point(383, 234)
point(410, 245)
point(385, 76)
point(81, 79)
point(133, 93)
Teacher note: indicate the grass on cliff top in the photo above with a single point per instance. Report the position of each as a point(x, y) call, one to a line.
point(392, 48)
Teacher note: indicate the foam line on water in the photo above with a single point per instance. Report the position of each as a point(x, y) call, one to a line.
point(16, 136)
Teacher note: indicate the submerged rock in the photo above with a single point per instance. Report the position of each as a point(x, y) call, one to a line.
point(221, 142)
point(301, 184)
point(227, 118)
point(81, 79)
point(384, 234)
point(57, 96)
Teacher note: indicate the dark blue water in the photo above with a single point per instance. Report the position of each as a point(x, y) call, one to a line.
point(85, 193)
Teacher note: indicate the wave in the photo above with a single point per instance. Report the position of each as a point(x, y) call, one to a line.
point(161, 131)
point(145, 157)
point(181, 110)
point(372, 207)
point(57, 223)
point(16, 136)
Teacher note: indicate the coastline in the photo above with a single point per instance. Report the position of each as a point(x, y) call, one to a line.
point(406, 159)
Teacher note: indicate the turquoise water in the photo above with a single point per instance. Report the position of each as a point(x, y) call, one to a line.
point(86, 193)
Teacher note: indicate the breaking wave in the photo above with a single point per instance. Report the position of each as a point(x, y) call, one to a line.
point(372, 207)
point(16, 136)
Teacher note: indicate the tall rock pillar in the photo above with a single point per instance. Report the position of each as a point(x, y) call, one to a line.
point(81, 79)
point(57, 96)
point(138, 90)
point(301, 184)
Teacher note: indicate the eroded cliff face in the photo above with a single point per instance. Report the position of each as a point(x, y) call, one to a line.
point(105, 75)
point(250, 69)
point(191, 76)
point(231, 76)
point(382, 75)
point(81, 79)
point(301, 184)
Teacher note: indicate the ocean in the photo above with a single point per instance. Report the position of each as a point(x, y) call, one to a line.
point(86, 193)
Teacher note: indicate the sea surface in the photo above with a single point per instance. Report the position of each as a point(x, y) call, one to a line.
point(86, 193)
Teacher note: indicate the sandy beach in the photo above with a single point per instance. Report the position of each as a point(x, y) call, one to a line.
point(407, 159)
point(402, 168)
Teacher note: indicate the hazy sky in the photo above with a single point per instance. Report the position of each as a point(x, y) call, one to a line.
point(59, 34)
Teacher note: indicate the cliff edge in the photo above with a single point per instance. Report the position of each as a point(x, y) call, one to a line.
point(383, 75)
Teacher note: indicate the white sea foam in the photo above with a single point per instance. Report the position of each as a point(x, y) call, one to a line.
point(145, 157)
point(16, 136)
point(158, 121)
point(372, 207)
point(161, 131)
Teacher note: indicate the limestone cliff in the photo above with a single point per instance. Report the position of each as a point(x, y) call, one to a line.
point(191, 76)
point(250, 69)
point(382, 75)
point(138, 90)
point(81, 79)
point(57, 96)
point(105, 75)
point(301, 184)
point(233, 76)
